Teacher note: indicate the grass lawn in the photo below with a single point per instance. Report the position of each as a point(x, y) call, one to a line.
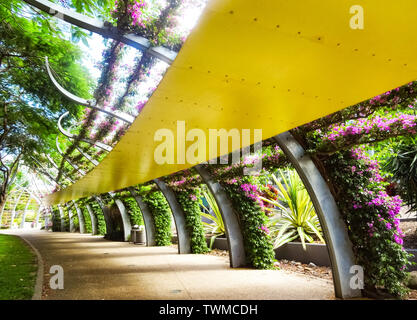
point(18, 269)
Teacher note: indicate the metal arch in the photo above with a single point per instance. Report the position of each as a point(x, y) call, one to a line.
point(62, 216)
point(14, 209)
point(22, 223)
point(332, 224)
point(88, 103)
point(104, 209)
point(230, 219)
point(38, 215)
point(98, 144)
point(55, 166)
point(103, 28)
point(87, 156)
point(127, 226)
point(93, 219)
point(184, 237)
point(81, 219)
point(70, 215)
point(147, 217)
point(76, 167)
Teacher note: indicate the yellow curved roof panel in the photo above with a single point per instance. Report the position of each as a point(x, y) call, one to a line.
point(265, 64)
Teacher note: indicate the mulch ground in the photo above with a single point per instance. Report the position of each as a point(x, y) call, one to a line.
point(410, 230)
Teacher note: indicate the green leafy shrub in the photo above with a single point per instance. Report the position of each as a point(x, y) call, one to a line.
point(372, 219)
point(161, 214)
point(215, 227)
point(190, 201)
point(101, 222)
point(56, 219)
point(257, 241)
point(87, 218)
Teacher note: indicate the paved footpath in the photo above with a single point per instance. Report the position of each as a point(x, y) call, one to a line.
point(95, 268)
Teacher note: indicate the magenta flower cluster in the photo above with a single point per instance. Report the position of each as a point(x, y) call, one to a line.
point(135, 12)
point(404, 122)
point(388, 207)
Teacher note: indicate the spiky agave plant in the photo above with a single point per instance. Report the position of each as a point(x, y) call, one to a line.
point(293, 214)
point(216, 225)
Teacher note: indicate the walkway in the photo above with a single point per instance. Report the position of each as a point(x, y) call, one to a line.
point(99, 269)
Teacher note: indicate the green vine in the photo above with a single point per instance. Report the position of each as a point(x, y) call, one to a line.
point(161, 214)
point(87, 218)
point(190, 201)
point(56, 219)
point(258, 244)
point(132, 208)
point(101, 223)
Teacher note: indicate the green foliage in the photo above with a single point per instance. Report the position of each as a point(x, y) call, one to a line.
point(215, 227)
point(87, 218)
point(56, 219)
point(75, 220)
point(190, 201)
point(132, 208)
point(402, 163)
point(66, 218)
point(29, 103)
point(17, 269)
point(371, 217)
point(101, 223)
point(161, 214)
point(294, 214)
point(258, 244)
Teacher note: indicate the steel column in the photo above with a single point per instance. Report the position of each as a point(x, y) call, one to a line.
point(331, 221)
point(147, 217)
point(184, 237)
point(230, 219)
point(127, 226)
point(93, 218)
point(81, 219)
point(22, 223)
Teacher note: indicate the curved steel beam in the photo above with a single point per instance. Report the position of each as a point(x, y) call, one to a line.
point(14, 209)
point(147, 217)
point(38, 215)
point(81, 219)
point(98, 144)
point(105, 210)
point(103, 28)
point(88, 103)
point(230, 219)
point(55, 166)
point(127, 226)
point(70, 215)
point(62, 216)
point(184, 237)
point(76, 167)
point(22, 223)
point(87, 156)
point(331, 221)
point(93, 219)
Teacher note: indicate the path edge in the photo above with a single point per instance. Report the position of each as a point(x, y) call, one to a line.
point(37, 294)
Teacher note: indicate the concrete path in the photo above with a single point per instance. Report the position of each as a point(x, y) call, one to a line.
point(98, 269)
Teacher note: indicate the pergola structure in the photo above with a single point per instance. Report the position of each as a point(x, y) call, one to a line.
point(220, 73)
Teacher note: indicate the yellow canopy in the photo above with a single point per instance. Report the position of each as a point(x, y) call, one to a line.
point(265, 64)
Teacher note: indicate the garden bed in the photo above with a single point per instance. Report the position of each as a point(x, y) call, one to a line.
point(410, 230)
